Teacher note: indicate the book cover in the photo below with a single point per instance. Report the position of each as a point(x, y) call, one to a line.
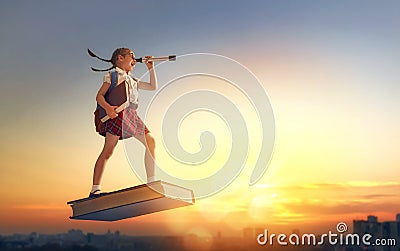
point(118, 96)
point(131, 202)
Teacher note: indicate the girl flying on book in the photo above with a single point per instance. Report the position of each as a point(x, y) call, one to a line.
point(127, 123)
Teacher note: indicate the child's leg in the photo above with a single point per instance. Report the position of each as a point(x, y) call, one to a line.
point(149, 156)
point(109, 146)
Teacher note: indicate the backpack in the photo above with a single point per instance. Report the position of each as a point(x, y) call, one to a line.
point(97, 120)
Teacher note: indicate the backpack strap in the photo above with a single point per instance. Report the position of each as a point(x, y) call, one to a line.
point(114, 80)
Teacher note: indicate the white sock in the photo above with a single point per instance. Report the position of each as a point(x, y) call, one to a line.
point(151, 179)
point(94, 188)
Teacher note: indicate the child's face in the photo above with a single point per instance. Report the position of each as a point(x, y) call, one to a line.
point(127, 62)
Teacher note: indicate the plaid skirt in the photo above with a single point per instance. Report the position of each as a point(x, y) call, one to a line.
point(127, 124)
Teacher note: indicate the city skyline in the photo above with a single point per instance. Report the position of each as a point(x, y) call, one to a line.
point(249, 237)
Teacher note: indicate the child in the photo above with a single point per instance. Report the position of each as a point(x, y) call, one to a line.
point(127, 123)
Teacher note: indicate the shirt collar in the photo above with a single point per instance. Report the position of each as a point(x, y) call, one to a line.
point(120, 71)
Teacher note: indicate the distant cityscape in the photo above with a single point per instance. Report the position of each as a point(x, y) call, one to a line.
point(387, 231)
point(77, 240)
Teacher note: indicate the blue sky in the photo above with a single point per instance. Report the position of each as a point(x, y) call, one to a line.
point(50, 38)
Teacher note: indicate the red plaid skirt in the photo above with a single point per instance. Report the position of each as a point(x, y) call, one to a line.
point(126, 125)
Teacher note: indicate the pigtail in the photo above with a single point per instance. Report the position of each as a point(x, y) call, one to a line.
point(91, 53)
point(95, 56)
point(97, 70)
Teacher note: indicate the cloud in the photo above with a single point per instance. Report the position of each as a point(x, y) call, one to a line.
point(349, 207)
point(379, 196)
point(338, 185)
point(334, 200)
point(40, 207)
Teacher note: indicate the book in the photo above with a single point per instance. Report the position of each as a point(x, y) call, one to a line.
point(117, 96)
point(131, 202)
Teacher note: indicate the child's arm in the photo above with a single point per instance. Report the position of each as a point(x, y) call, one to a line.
point(152, 85)
point(110, 110)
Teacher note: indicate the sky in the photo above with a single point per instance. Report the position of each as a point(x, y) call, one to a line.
point(329, 69)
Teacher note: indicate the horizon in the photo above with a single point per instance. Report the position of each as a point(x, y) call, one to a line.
point(217, 234)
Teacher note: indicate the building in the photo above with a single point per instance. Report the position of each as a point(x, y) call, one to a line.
point(387, 233)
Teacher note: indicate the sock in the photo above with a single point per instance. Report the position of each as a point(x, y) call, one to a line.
point(151, 179)
point(94, 188)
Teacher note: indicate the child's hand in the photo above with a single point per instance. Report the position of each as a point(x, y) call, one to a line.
point(150, 64)
point(111, 111)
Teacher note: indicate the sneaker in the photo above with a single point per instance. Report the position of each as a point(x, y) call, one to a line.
point(95, 194)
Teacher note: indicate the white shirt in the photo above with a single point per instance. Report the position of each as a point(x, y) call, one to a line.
point(128, 78)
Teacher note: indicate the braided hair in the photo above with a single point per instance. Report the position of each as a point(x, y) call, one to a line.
point(113, 60)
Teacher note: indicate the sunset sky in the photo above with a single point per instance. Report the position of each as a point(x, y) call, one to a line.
point(330, 71)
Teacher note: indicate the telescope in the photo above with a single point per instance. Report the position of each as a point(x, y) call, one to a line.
point(139, 60)
point(157, 59)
